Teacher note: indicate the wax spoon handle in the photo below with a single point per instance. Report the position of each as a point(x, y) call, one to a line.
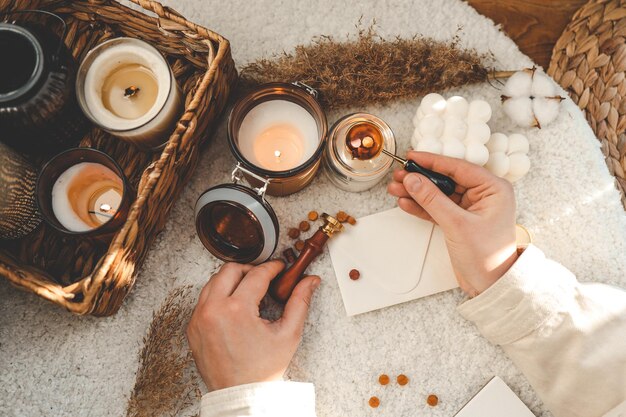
point(443, 182)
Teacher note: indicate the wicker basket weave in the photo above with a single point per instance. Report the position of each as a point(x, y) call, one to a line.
point(88, 277)
point(589, 61)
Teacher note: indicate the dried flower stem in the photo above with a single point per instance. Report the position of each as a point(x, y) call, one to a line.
point(372, 70)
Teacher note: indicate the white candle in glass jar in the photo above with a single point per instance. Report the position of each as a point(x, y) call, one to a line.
point(126, 87)
point(86, 196)
point(278, 135)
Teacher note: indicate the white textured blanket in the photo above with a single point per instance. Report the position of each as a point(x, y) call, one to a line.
point(55, 364)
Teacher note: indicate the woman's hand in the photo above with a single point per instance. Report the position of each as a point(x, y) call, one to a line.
point(478, 220)
point(231, 343)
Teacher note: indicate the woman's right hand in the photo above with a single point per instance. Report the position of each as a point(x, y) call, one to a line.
point(478, 220)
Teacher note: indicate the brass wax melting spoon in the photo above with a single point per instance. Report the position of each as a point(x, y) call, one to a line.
point(365, 142)
point(283, 285)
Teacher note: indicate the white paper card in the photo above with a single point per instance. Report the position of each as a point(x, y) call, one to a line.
point(495, 400)
point(399, 256)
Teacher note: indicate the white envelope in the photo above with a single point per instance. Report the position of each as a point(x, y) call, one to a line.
point(495, 400)
point(400, 258)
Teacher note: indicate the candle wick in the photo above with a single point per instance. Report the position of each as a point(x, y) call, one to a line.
point(109, 216)
point(131, 91)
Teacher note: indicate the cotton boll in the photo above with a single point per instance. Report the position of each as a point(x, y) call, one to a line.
point(546, 109)
point(542, 86)
point(498, 142)
point(479, 110)
point(517, 143)
point(520, 110)
point(454, 128)
point(519, 164)
point(429, 144)
point(453, 148)
point(477, 132)
point(476, 153)
point(519, 84)
point(457, 106)
point(433, 103)
point(431, 125)
point(498, 163)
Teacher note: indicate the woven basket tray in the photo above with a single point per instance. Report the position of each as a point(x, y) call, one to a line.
point(589, 61)
point(87, 277)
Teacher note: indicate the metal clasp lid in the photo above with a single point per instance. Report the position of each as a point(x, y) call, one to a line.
point(237, 176)
point(312, 91)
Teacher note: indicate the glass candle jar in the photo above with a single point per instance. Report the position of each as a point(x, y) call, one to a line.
point(235, 222)
point(38, 109)
point(342, 167)
point(278, 132)
point(83, 192)
point(125, 86)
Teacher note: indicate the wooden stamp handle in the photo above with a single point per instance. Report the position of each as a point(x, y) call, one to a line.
point(283, 285)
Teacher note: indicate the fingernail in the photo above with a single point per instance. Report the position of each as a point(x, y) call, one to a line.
point(412, 182)
point(316, 283)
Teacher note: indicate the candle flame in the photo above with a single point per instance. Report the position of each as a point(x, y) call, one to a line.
point(105, 208)
point(277, 154)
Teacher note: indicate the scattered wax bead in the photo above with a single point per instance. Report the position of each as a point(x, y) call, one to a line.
point(374, 402)
point(432, 400)
point(313, 215)
point(383, 379)
point(304, 226)
point(402, 379)
point(293, 233)
point(354, 274)
point(289, 255)
point(299, 245)
point(351, 220)
point(342, 216)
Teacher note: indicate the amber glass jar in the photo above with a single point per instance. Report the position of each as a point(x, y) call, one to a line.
point(292, 178)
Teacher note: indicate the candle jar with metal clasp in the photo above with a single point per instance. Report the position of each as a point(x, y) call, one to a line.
point(342, 167)
point(235, 222)
point(278, 132)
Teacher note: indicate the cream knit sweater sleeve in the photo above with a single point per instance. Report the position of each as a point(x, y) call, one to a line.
point(568, 338)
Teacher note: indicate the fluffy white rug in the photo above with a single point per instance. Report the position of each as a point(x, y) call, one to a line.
point(52, 363)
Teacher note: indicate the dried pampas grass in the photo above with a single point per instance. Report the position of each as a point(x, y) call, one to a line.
point(166, 382)
point(371, 69)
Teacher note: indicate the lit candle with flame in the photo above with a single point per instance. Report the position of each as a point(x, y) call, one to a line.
point(86, 196)
point(278, 135)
